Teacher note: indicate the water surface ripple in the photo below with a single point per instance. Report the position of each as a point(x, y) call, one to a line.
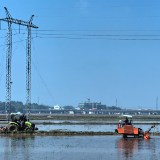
point(79, 148)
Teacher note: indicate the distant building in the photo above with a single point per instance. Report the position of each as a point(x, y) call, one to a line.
point(91, 112)
point(77, 108)
point(57, 107)
point(71, 112)
point(91, 105)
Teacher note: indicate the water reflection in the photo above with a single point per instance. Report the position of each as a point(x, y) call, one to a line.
point(21, 145)
point(130, 148)
point(78, 147)
point(127, 146)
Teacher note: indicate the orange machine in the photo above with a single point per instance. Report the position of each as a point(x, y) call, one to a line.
point(129, 130)
point(146, 135)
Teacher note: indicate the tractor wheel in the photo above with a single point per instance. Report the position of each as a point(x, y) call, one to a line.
point(28, 129)
point(12, 127)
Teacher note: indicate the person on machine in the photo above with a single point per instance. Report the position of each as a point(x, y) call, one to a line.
point(13, 117)
point(126, 121)
point(15, 120)
point(22, 120)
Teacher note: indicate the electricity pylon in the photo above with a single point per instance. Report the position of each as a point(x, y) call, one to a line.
point(29, 25)
point(28, 67)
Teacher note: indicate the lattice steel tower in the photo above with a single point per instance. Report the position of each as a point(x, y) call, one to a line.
point(28, 67)
point(29, 25)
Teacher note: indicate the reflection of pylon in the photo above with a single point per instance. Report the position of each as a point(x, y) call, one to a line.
point(29, 24)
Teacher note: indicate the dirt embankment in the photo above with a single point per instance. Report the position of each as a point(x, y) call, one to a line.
point(56, 133)
point(62, 133)
point(87, 117)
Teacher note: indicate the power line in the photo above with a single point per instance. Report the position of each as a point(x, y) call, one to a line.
point(90, 30)
point(99, 38)
point(38, 72)
point(101, 17)
point(12, 42)
point(78, 38)
point(19, 41)
point(44, 82)
point(94, 30)
point(89, 35)
point(93, 35)
point(3, 37)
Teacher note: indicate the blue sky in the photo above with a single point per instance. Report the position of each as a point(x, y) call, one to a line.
point(98, 49)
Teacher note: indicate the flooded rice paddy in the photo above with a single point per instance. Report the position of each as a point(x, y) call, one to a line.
point(79, 148)
point(96, 127)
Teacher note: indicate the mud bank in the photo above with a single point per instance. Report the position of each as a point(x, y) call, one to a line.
point(87, 117)
point(62, 133)
point(56, 133)
point(94, 117)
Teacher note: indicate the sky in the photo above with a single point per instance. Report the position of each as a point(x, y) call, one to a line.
point(99, 49)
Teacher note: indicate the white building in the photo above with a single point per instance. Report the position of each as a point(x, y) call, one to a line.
point(57, 107)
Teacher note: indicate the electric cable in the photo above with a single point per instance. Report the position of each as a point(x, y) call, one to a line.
point(40, 76)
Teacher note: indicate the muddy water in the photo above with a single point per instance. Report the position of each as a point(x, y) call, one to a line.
point(79, 148)
point(94, 128)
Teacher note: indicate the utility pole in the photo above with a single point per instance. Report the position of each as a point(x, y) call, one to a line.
point(29, 25)
point(116, 102)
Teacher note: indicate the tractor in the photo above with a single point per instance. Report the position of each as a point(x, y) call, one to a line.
point(129, 130)
point(13, 126)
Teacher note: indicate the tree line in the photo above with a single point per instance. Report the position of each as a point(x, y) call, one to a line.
point(17, 106)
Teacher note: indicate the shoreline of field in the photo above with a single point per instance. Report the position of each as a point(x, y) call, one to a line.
point(63, 133)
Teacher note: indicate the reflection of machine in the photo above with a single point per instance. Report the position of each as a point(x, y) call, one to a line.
point(126, 147)
point(129, 130)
